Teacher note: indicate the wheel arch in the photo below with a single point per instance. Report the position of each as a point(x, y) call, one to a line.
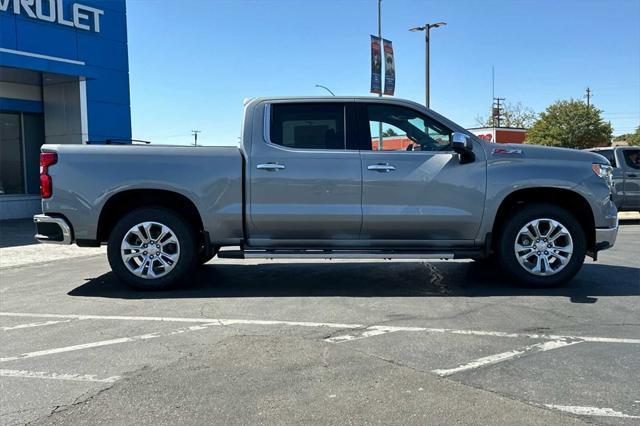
point(123, 202)
point(570, 200)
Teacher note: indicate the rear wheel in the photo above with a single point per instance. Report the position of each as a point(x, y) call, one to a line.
point(542, 245)
point(152, 249)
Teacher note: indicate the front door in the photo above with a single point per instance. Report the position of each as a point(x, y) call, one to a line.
point(631, 170)
point(305, 185)
point(415, 191)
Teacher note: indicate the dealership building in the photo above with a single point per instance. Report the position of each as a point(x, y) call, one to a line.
point(500, 134)
point(64, 79)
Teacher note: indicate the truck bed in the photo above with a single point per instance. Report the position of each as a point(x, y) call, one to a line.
point(86, 177)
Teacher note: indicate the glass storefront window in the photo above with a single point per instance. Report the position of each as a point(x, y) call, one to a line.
point(21, 136)
point(11, 159)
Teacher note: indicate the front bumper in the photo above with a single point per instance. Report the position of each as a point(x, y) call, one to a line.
point(606, 237)
point(52, 230)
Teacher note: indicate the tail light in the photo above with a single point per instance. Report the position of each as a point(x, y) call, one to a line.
point(46, 185)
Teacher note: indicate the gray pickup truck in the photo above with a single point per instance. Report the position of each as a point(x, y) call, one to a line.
point(625, 161)
point(312, 179)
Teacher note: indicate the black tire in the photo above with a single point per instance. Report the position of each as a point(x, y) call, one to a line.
point(505, 252)
point(183, 268)
point(485, 262)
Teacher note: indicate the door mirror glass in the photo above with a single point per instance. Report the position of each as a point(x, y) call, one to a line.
point(462, 144)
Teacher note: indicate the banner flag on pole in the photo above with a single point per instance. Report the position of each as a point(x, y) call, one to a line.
point(389, 68)
point(376, 65)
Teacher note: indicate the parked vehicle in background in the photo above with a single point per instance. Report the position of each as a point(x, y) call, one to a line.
point(311, 180)
point(625, 161)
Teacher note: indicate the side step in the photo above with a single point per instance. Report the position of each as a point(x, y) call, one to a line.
point(330, 254)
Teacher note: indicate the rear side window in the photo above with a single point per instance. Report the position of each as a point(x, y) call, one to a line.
point(608, 154)
point(308, 126)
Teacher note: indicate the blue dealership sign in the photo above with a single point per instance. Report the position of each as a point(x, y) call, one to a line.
point(86, 39)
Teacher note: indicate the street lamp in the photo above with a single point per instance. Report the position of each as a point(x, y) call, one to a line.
point(325, 88)
point(427, 28)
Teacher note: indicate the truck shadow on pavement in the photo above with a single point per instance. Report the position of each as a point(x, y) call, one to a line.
point(362, 279)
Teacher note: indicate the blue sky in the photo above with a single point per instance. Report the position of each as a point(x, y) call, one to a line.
point(192, 62)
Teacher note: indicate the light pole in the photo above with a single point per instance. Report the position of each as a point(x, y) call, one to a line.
point(325, 88)
point(427, 28)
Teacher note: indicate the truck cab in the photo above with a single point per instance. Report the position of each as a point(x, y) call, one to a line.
point(625, 161)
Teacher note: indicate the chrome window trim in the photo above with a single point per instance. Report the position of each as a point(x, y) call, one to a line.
point(267, 123)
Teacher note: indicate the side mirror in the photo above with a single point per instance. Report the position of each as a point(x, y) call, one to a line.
point(462, 145)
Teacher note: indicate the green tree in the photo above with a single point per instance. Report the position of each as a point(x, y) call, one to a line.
point(512, 115)
point(634, 138)
point(623, 137)
point(570, 124)
point(389, 132)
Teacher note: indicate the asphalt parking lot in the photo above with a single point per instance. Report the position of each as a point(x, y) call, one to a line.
point(319, 342)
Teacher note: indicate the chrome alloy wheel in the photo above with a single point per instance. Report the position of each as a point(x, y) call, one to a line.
point(543, 247)
point(150, 250)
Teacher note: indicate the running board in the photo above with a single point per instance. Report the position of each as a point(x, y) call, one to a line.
point(330, 254)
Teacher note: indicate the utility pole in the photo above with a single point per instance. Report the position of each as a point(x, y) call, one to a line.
point(588, 96)
point(496, 111)
point(195, 136)
point(381, 79)
point(493, 82)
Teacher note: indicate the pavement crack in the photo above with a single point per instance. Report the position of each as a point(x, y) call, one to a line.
point(387, 360)
point(85, 398)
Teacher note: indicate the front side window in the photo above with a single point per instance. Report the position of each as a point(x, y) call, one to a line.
point(632, 158)
point(308, 126)
point(609, 155)
point(404, 129)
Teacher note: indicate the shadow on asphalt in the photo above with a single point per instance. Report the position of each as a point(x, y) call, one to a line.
point(17, 233)
point(389, 279)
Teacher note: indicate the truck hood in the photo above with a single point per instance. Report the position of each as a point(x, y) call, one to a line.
point(539, 152)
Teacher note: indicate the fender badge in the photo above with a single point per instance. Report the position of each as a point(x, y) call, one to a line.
point(506, 151)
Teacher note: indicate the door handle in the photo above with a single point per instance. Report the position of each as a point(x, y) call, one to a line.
point(381, 167)
point(632, 175)
point(270, 166)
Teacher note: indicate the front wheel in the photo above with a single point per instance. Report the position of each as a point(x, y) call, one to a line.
point(152, 249)
point(541, 245)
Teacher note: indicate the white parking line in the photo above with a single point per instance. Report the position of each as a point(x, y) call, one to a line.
point(505, 356)
point(104, 343)
point(33, 324)
point(177, 319)
point(370, 332)
point(388, 329)
point(57, 376)
point(591, 411)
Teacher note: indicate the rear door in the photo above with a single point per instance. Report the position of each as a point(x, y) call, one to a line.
point(631, 168)
point(415, 191)
point(305, 181)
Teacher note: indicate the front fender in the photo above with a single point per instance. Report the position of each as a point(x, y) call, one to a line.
point(506, 176)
